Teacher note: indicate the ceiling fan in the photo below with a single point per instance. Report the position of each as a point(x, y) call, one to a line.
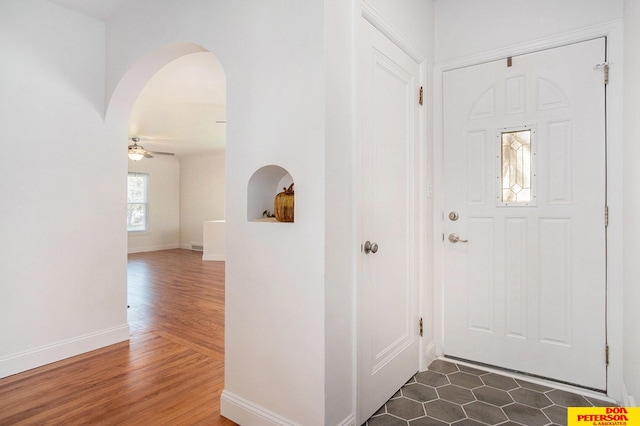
point(137, 152)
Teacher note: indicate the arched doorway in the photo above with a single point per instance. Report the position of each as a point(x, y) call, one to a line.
point(165, 101)
point(180, 120)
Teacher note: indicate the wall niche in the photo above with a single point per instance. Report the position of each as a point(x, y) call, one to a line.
point(264, 185)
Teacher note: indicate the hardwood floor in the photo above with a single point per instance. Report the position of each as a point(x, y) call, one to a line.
point(170, 372)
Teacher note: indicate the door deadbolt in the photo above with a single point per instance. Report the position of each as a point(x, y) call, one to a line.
point(453, 216)
point(370, 247)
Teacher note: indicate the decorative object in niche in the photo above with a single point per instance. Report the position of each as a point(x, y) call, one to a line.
point(283, 205)
point(264, 184)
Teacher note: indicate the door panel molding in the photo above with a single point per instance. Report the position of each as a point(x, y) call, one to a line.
point(388, 187)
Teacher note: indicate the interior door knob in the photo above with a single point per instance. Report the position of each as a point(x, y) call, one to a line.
point(455, 238)
point(370, 247)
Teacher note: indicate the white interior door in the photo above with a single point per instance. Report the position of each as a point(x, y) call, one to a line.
point(524, 170)
point(388, 331)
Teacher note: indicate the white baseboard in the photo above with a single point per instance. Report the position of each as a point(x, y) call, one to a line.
point(430, 353)
point(244, 412)
point(154, 248)
point(218, 257)
point(349, 421)
point(23, 361)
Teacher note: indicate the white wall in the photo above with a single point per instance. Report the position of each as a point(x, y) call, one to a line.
point(202, 192)
point(632, 200)
point(339, 333)
point(62, 268)
point(163, 204)
point(275, 272)
point(468, 27)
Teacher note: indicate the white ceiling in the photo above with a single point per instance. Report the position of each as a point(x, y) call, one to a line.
point(99, 9)
point(181, 107)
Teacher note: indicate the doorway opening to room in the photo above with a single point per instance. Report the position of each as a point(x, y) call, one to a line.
point(173, 105)
point(177, 133)
point(175, 190)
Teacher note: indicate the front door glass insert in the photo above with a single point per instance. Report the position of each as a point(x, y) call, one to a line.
point(516, 167)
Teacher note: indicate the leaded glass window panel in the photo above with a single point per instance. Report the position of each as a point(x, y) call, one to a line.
point(516, 165)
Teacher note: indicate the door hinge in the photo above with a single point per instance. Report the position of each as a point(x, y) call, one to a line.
point(606, 354)
point(604, 66)
point(606, 216)
point(421, 95)
point(421, 328)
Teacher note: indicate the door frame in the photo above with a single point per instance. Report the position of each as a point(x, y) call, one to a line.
point(614, 177)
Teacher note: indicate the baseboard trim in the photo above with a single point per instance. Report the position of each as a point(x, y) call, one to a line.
point(430, 353)
point(244, 412)
point(218, 257)
point(37, 357)
point(155, 248)
point(349, 421)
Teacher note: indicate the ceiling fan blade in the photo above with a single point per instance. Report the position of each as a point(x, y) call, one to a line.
point(147, 155)
point(161, 153)
point(153, 138)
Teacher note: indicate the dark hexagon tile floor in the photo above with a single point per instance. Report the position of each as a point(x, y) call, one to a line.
point(450, 394)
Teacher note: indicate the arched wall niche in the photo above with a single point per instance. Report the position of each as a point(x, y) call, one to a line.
point(264, 185)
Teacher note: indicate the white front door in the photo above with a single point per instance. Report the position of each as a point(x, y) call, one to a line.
point(524, 192)
point(388, 325)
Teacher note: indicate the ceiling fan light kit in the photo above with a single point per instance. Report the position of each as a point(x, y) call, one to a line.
point(137, 152)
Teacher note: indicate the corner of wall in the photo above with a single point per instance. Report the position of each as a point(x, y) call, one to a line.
point(628, 400)
point(244, 412)
point(429, 354)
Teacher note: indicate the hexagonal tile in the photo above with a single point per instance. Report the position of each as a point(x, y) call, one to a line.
point(500, 382)
point(525, 415)
point(511, 423)
point(556, 414)
point(567, 399)
point(386, 420)
point(493, 396)
point(485, 413)
point(411, 380)
point(427, 421)
point(396, 395)
point(419, 392)
point(444, 367)
point(531, 398)
point(432, 379)
point(465, 380)
point(600, 403)
point(456, 394)
point(468, 422)
point(381, 410)
point(444, 410)
point(405, 408)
